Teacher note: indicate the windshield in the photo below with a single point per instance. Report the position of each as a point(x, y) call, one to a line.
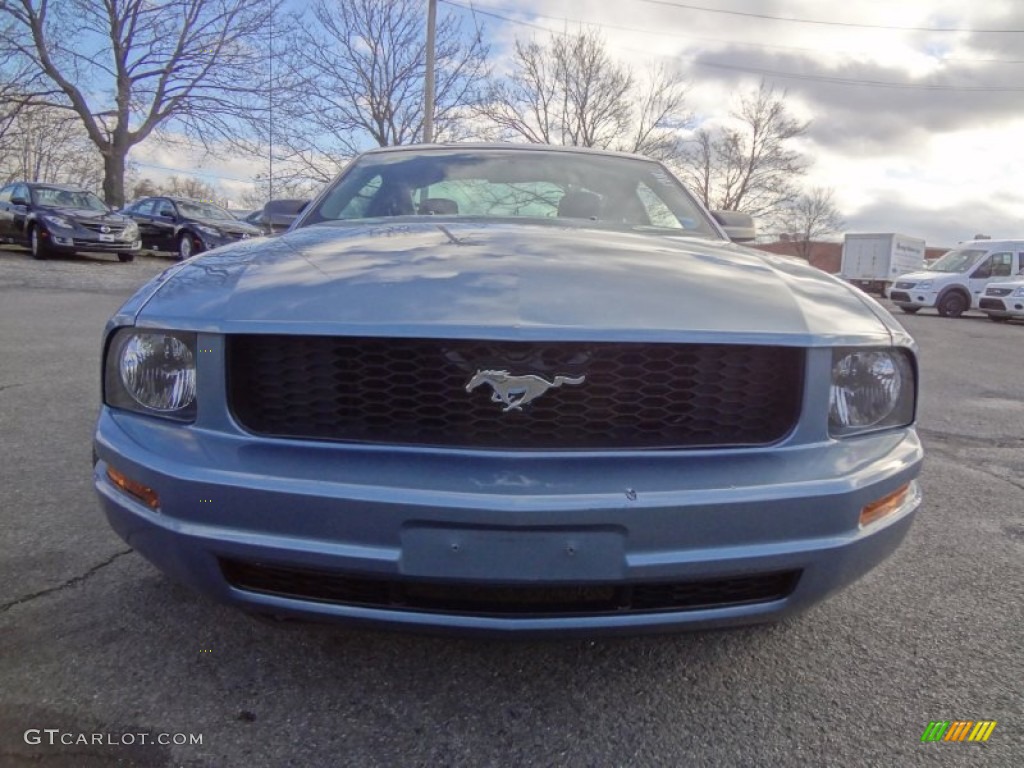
point(617, 192)
point(197, 210)
point(959, 260)
point(55, 197)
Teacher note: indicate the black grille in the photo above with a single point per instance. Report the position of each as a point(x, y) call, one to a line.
point(96, 244)
point(112, 229)
point(413, 392)
point(991, 304)
point(905, 284)
point(899, 296)
point(999, 291)
point(490, 599)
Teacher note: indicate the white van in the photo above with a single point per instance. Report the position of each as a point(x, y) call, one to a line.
point(956, 282)
point(1004, 300)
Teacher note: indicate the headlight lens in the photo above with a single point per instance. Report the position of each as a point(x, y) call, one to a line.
point(212, 231)
point(152, 372)
point(1019, 292)
point(871, 389)
point(924, 284)
point(131, 230)
point(58, 221)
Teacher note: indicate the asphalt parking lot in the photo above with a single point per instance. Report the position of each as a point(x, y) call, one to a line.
point(94, 640)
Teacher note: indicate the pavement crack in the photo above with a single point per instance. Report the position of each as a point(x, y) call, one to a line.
point(956, 437)
point(954, 456)
point(69, 583)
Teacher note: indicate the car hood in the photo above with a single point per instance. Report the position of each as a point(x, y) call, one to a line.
point(83, 214)
point(224, 225)
point(919, 276)
point(507, 280)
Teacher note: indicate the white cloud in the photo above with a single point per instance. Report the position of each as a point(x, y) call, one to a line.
point(929, 162)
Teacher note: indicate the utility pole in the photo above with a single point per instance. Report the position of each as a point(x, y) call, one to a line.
point(428, 86)
point(270, 97)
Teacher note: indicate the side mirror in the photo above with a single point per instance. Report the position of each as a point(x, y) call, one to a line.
point(739, 227)
point(19, 200)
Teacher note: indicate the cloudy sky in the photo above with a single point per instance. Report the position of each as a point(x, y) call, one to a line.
point(916, 107)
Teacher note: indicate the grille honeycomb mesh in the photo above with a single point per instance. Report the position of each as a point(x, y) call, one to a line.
point(413, 392)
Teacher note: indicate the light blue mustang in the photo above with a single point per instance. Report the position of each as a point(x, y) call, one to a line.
point(508, 389)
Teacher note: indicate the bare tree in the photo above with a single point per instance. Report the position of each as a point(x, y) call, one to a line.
point(812, 216)
point(127, 67)
point(571, 91)
point(750, 164)
point(355, 79)
point(192, 187)
point(145, 187)
point(49, 144)
point(295, 189)
point(179, 186)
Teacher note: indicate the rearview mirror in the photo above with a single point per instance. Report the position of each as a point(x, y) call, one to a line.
point(739, 227)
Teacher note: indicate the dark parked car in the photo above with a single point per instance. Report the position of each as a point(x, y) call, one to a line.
point(185, 226)
point(255, 218)
point(508, 389)
point(277, 215)
point(56, 218)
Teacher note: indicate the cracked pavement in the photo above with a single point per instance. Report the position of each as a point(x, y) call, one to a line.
point(69, 583)
point(93, 639)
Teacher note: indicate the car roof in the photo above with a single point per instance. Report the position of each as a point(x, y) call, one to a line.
point(61, 187)
point(989, 244)
point(505, 146)
point(176, 199)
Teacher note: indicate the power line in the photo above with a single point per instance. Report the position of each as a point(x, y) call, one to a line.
point(676, 35)
point(190, 171)
point(789, 75)
point(482, 12)
point(798, 20)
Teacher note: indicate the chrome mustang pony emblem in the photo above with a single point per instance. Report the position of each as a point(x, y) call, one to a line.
point(517, 391)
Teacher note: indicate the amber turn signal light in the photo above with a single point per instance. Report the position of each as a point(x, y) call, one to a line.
point(143, 493)
point(886, 505)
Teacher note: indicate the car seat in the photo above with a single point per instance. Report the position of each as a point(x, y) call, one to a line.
point(579, 204)
point(438, 206)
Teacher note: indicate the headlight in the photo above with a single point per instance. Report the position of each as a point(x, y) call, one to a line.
point(211, 231)
point(58, 221)
point(1019, 293)
point(131, 230)
point(871, 389)
point(924, 284)
point(152, 372)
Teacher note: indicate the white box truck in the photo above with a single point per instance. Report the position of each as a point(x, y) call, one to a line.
point(874, 261)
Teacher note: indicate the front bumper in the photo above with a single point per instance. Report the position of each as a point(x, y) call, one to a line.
point(209, 242)
point(1002, 306)
point(458, 520)
point(912, 297)
point(81, 242)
